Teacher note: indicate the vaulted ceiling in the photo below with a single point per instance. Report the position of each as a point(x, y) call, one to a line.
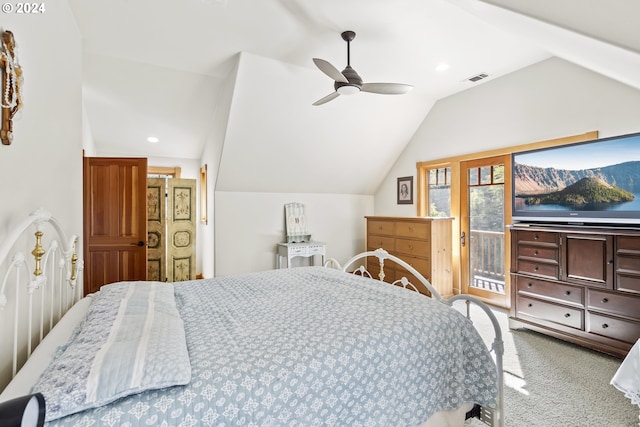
point(158, 68)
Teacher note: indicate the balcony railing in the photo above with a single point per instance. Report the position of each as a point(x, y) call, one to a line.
point(487, 260)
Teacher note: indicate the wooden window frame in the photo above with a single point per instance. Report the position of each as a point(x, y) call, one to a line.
point(174, 172)
point(454, 163)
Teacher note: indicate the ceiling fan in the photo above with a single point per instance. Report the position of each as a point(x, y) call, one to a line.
point(349, 82)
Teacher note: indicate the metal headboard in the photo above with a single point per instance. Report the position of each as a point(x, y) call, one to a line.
point(37, 286)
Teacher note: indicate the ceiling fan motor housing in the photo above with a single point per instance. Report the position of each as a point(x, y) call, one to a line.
point(354, 79)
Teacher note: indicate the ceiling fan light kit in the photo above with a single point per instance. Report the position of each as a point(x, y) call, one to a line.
point(348, 82)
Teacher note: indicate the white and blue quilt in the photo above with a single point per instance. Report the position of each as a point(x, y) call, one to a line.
point(310, 346)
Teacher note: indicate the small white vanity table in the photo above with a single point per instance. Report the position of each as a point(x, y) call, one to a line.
point(299, 243)
point(288, 251)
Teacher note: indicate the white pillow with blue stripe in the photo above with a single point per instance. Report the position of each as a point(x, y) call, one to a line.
point(131, 340)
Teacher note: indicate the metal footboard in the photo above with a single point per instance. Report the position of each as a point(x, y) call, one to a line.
point(493, 416)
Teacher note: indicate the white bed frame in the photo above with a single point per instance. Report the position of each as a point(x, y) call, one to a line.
point(42, 278)
point(493, 416)
point(45, 283)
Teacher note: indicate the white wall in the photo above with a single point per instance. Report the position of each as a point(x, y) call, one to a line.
point(211, 157)
point(250, 225)
point(547, 100)
point(43, 166)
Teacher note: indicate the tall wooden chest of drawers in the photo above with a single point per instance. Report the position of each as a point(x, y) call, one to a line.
point(424, 243)
point(578, 284)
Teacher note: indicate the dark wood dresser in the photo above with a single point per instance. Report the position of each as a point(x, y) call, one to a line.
point(578, 284)
point(424, 243)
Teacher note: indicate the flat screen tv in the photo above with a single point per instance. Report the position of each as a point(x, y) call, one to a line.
point(592, 182)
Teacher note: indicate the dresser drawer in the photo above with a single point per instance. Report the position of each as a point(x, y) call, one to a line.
point(302, 250)
point(619, 329)
point(316, 250)
point(628, 282)
point(537, 252)
point(628, 244)
point(627, 271)
point(423, 265)
point(628, 264)
point(386, 243)
point(538, 237)
point(549, 313)
point(381, 227)
point(549, 270)
point(550, 290)
point(412, 229)
point(617, 304)
point(419, 248)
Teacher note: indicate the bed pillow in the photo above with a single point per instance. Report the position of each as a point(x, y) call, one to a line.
point(131, 340)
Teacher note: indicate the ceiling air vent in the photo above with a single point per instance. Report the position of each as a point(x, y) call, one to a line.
point(478, 77)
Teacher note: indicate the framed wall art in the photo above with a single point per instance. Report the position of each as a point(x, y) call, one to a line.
point(203, 195)
point(405, 190)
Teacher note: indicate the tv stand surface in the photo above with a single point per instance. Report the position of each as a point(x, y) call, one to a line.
point(580, 284)
point(586, 225)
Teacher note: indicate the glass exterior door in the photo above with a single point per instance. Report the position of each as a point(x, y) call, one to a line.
point(482, 238)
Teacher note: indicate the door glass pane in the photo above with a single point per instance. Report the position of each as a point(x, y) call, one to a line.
point(498, 174)
point(473, 176)
point(486, 175)
point(486, 229)
point(433, 176)
point(440, 192)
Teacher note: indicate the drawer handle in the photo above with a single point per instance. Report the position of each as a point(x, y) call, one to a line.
point(529, 285)
point(410, 230)
point(605, 326)
point(535, 253)
point(536, 237)
point(568, 293)
point(410, 247)
point(605, 300)
point(567, 315)
point(535, 268)
point(529, 305)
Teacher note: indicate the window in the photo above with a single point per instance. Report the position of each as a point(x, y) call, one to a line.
point(163, 172)
point(439, 192)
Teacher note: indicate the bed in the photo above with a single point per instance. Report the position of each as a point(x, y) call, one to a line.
point(292, 347)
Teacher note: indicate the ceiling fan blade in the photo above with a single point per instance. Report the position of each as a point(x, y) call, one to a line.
point(327, 98)
point(386, 88)
point(330, 70)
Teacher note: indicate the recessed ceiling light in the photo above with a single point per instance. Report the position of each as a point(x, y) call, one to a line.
point(153, 139)
point(442, 67)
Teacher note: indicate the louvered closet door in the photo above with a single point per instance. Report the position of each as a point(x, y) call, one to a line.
point(181, 241)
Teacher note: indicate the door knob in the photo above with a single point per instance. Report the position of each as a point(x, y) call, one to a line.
point(140, 243)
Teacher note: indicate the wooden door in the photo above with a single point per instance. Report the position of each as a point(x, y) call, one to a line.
point(156, 223)
point(181, 236)
point(115, 220)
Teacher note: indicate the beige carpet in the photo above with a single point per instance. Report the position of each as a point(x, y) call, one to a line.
point(551, 383)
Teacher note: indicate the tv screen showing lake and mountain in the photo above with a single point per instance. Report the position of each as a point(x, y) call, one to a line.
point(592, 181)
